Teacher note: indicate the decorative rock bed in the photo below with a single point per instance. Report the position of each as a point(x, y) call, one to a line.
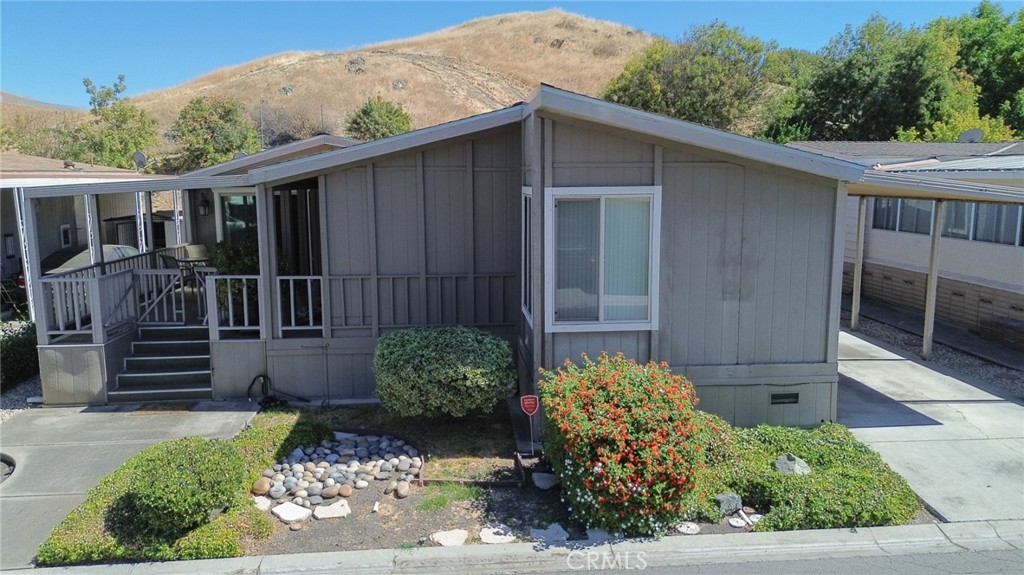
point(314, 476)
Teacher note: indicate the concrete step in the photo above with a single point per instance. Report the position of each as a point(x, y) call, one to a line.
point(174, 333)
point(149, 393)
point(128, 380)
point(164, 348)
point(166, 363)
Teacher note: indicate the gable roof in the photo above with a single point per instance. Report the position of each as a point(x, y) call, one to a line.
point(291, 151)
point(619, 116)
point(548, 98)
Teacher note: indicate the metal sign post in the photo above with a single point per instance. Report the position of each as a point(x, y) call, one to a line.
point(530, 403)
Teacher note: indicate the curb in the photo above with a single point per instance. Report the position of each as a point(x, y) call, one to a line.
point(975, 536)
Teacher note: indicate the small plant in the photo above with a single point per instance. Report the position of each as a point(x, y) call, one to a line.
point(442, 371)
point(378, 118)
point(440, 495)
point(18, 350)
point(179, 484)
point(622, 440)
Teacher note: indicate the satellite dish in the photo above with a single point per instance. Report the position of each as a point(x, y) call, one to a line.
point(140, 160)
point(970, 136)
point(239, 155)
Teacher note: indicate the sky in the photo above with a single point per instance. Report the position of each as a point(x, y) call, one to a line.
point(47, 48)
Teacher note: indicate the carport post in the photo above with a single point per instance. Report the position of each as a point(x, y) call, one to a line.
point(933, 281)
point(858, 263)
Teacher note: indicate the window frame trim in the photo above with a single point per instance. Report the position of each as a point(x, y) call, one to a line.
point(551, 194)
point(527, 279)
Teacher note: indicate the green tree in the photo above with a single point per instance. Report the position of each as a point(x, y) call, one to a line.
point(212, 130)
point(877, 79)
point(377, 118)
point(713, 77)
point(992, 52)
point(118, 128)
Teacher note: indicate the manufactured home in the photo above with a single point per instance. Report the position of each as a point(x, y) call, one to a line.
point(564, 224)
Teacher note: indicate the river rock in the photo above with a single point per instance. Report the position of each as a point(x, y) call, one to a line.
point(315, 488)
point(728, 503)
point(336, 509)
point(390, 488)
point(497, 534)
point(451, 538)
point(262, 503)
point(262, 486)
point(330, 492)
point(315, 500)
point(402, 489)
point(290, 512)
point(790, 464)
point(277, 492)
point(544, 481)
point(345, 490)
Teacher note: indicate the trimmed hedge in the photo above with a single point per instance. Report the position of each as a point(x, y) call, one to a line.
point(19, 359)
point(442, 371)
point(622, 440)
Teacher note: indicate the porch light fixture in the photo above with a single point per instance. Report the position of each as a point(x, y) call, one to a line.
point(204, 204)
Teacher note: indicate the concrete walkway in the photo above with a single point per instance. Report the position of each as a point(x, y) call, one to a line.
point(60, 453)
point(959, 442)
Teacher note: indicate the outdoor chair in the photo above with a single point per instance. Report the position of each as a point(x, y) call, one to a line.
point(169, 262)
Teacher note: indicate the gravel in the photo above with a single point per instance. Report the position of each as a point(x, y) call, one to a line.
point(1009, 380)
point(15, 399)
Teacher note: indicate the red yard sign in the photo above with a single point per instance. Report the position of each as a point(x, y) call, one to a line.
point(529, 404)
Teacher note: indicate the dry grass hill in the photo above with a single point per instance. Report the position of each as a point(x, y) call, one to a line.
point(482, 65)
point(475, 67)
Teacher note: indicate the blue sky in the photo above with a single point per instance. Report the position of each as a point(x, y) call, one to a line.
point(46, 48)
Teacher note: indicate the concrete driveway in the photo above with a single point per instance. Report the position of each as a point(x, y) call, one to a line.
point(60, 453)
point(959, 442)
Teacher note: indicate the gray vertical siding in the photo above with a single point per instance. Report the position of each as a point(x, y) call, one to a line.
point(745, 273)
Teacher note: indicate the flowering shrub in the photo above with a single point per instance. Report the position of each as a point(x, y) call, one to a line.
point(622, 440)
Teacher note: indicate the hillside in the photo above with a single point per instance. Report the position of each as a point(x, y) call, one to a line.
point(476, 67)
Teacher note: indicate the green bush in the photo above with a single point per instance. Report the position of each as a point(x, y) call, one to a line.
point(849, 484)
point(18, 352)
point(442, 371)
point(104, 529)
point(180, 483)
point(623, 442)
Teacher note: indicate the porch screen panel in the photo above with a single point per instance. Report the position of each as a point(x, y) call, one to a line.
point(578, 228)
point(627, 237)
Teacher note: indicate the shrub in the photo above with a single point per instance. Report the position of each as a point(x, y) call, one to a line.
point(849, 485)
point(179, 483)
point(18, 350)
point(442, 371)
point(623, 442)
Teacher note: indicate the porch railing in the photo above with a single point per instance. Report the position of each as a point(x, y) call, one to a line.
point(233, 301)
point(97, 308)
point(161, 296)
point(299, 303)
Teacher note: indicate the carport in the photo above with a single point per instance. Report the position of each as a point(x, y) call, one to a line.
point(888, 185)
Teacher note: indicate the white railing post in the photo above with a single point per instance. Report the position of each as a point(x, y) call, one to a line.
point(212, 309)
point(99, 331)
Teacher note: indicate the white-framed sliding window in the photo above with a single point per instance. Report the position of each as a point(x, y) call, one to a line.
point(235, 212)
point(601, 258)
point(526, 262)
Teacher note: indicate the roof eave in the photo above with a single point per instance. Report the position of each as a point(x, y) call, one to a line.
point(615, 115)
point(913, 186)
point(275, 152)
point(422, 137)
point(135, 186)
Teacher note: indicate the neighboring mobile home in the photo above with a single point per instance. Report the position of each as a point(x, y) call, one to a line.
point(565, 224)
point(981, 271)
